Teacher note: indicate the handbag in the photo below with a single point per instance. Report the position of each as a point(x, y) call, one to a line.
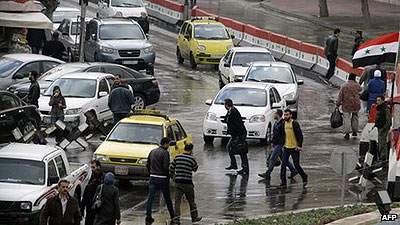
point(239, 146)
point(336, 119)
point(364, 95)
point(97, 200)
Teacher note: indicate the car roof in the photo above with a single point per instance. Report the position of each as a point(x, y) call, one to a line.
point(272, 64)
point(86, 75)
point(87, 19)
point(147, 119)
point(115, 20)
point(26, 57)
point(257, 85)
point(89, 64)
point(250, 49)
point(66, 9)
point(27, 151)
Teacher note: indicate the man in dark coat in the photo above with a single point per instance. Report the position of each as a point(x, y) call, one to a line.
point(109, 213)
point(54, 48)
point(236, 129)
point(358, 40)
point(88, 196)
point(376, 87)
point(120, 102)
point(34, 89)
point(383, 122)
point(143, 21)
point(61, 209)
point(36, 39)
point(331, 49)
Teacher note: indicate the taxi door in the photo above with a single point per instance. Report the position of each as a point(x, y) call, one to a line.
point(187, 37)
point(173, 150)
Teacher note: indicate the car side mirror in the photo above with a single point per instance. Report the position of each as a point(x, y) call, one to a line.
point(19, 76)
point(102, 138)
point(227, 64)
point(275, 106)
point(208, 102)
point(300, 82)
point(52, 180)
point(102, 94)
point(232, 36)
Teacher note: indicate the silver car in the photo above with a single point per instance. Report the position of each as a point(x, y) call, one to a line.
point(14, 68)
point(121, 41)
point(64, 12)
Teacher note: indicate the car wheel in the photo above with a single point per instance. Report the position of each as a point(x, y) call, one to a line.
point(268, 136)
point(208, 139)
point(70, 57)
point(140, 102)
point(179, 56)
point(220, 82)
point(193, 63)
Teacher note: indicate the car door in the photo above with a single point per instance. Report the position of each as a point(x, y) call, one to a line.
point(278, 99)
point(186, 42)
point(170, 134)
point(101, 105)
point(62, 171)
point(270, 112)
point(48, 65)
point(90, 41)
point(179, 138)
point(181, 36)
point(226, 71)
point(52, 171)
point(25, 69)
point(10, 111)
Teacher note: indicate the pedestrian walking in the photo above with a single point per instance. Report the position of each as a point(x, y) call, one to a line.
point(358, 40)
point(34, 89)
point(383, 121)
point(349, 100)
point(366, 75)
point(117, 81)
point(36, 39)
point(236, 129)
point(278, 140)
point(181, 170)
point(292, 147)
point(88, 196)
point(57, 103)
point(120, 102)
point(143, 21)
point(158, 167)
point(109, 212)
point(383, 74)
point(376, 87)
point(54, 47)
point(331, 49)
point(61, 209)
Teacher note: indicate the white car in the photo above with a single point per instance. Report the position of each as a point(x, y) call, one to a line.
point(255, 102)
point(235, 63)
point(280, 75)
point(62, 13)
point(120, 8)
point(82, 92)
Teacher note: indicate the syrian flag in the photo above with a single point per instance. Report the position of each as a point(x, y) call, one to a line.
point(382, 49)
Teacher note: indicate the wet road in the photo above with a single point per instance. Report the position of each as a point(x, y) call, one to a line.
point(222, 195)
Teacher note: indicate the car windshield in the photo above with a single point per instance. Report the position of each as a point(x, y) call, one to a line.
point(210, 32)
point(58, 71)
point(137, 133)
point(74, 87)
point(270, 74)
point(58, 16)
point(21, 171)
point(127, 3)
point(121, 32)
point(8, 66)
point(245, 58)
point(242, 96)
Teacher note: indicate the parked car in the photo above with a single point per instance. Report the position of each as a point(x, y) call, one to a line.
point(64, 12)
point(120, 8)
point(202, 41)
point(14, 113)
point(255, 102)
point(121, 41)
point(237, 60)
point(145, 88)
point(14, 68)
point(126, 149)
point(82, 92)
point(68, 31)
point(29, 175)
point(280, 75)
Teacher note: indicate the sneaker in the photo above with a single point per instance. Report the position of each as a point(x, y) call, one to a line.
point(264, 175)
point(231, 168)
point(243, 172)
point(305, 181)
point(347, 136)
point(197, 219)
point(292, 175)
point(354, 134)
point(149, 220)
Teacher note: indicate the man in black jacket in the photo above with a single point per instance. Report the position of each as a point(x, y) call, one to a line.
point(54, 48)
point(34, 89)
point(236, 129)
point(120, 101)
point(109, 213)
point(292, 147)
point(158, 166)
point(143, 21)
point(331, 49)
point(278, 140)
point(36, 39)
point(88, 195)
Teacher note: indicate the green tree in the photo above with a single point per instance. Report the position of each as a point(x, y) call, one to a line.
point(323, 8)
point(51, 6)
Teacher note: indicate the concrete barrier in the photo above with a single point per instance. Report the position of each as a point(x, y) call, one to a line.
point(292, 51)
point(168, 11)
point(278, 45)
point(252, 35)
point(308, 56)
point(322, 64)
point(238, 31)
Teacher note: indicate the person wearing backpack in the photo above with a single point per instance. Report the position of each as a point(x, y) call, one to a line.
point(109, 212)
point(383, 121)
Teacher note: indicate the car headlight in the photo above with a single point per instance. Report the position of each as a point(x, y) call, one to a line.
point(26, 205)
point(106, 50)
point(100, 157)
point(257, 119)
point(291, 95)
point(73, 111)
point(229, 47)
point(201, 47)
point(211, 116)
point(148, 50)
point(143, 161)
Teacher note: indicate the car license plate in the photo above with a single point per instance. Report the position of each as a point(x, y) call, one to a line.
point(46, 120)
point(130, 62)
point(121, 170)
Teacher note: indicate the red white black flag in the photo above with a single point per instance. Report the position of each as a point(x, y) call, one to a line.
point(379, 50)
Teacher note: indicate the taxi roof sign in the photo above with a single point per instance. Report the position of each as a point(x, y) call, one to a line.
point(203, 18)
point(146, 112)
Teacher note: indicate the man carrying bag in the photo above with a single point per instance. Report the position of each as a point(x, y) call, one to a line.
point(237, 143)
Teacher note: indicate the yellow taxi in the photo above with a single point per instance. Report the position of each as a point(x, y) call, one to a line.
point(125, 150)
point(203, 41)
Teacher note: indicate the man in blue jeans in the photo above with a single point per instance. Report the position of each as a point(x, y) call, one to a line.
point(158, 166)
point(236, 129)
point(278, 140)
